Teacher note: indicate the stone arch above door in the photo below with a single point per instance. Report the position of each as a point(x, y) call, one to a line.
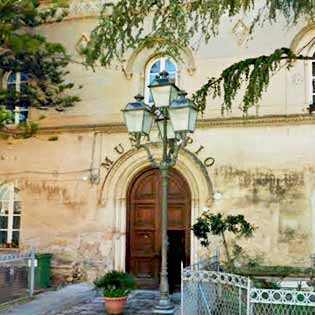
point(119, 178)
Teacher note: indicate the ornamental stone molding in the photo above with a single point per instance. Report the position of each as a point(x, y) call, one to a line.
point(82, 43)
point(233, 122)
point(304, 42)
point(297, 79)
point(140, 57)
point(240, 32)
point(82, 8)
point(122, 174)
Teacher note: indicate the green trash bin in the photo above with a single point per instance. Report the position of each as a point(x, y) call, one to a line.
point(43, 271)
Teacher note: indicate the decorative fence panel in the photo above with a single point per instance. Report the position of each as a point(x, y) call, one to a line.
point(217, 293)
point(281, 302)
point(17, 276)
point(210, 264)
point(213, 293)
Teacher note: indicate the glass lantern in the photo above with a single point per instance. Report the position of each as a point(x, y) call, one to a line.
point(138, 117)
point(163, 90)
point(183, 114)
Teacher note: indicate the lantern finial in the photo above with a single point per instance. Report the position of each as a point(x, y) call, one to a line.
point(139, 97)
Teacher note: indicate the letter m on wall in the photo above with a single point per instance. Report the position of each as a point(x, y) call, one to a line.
point(107, 163)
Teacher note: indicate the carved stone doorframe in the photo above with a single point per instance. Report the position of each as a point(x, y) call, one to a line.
point(114, 198)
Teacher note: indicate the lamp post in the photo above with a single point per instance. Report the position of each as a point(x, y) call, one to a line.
point(176, 116)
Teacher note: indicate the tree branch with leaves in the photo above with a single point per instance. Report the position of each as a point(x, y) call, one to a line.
point(218, 225)
point(253, 74)
point(168, 27)
point(23, 50)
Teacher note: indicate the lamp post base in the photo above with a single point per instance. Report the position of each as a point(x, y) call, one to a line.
point(164, 307)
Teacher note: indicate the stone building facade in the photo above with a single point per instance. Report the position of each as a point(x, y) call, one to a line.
point(73, 179)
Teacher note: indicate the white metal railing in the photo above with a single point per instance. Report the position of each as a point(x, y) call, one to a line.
point(216, 277)
point(12, 262)
point(210, 263)
point(287, 297)
point(217, 293)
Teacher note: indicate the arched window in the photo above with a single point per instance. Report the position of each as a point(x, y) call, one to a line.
point(154, 68)
point(17, 84)
point(17, 81)
point(10, 216)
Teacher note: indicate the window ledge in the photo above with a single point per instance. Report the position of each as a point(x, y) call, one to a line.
point(9, 250)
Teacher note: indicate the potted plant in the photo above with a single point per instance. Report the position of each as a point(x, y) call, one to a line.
point(116, 286)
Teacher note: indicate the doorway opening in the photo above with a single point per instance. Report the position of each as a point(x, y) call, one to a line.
point(143, 241)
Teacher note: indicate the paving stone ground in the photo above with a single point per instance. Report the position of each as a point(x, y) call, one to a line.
point(54, 300)
point(139, 303)
point(82, 299)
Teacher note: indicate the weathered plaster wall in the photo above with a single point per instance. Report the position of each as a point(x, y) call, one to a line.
point(59, 203)
point(288, 93)
point(264, 172)
point(267, 173)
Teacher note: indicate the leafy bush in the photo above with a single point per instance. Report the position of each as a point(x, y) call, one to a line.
point(116, 283)
point(277, 271)
point(5, 115)
point(219, 224)
point(266, 284)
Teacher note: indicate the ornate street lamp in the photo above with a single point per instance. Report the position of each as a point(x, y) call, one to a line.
point(170, 133)
point(176, 117)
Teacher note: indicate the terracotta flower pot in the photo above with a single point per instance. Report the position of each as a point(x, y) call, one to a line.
point(115, 305)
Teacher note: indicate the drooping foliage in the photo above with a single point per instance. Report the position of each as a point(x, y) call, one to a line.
point(22, 50)
point(4, 116)
point(170, 26)
point(253, 74)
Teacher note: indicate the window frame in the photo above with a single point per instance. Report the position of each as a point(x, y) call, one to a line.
point(312, 79)
point(162, 68)
point(10, 204)
point(17, 110)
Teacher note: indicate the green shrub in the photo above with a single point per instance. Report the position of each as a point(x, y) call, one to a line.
point(116, 283)
point(266, 284)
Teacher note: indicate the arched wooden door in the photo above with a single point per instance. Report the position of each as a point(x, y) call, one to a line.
point(143, 255)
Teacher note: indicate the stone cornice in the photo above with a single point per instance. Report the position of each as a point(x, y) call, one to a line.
point(111, 128)
point(80, 9)
point(270, 120)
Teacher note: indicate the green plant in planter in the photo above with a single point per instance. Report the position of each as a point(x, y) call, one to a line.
point(116, 284)
point(219, 224)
